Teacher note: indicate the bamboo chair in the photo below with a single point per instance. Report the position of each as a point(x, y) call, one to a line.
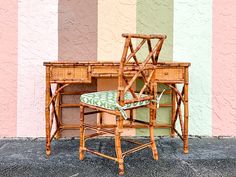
point(125, 98)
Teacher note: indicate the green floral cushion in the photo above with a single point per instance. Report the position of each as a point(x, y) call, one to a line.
point(107, 100)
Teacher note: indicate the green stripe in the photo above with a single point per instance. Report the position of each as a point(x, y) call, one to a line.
point(156, 17)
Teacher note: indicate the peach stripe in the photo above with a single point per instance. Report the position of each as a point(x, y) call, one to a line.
point(114, 18)
point(8, 67)
point(224, 68)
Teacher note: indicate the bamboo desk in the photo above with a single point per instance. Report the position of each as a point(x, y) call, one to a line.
point(63, 74)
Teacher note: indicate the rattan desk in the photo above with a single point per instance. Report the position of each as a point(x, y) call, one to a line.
point(65, 73)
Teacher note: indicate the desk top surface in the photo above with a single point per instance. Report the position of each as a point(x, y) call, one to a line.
point(106, 63)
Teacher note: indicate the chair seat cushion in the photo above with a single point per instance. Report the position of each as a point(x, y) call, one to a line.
point(107, 100)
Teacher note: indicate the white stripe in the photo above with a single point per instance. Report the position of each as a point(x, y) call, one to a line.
point(193, 43)
point(37, 42)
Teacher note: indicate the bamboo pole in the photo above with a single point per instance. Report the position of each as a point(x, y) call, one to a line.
point(150, 50)
point(58, 112)
point(181, 137)
point(100, 154)
point(173, 111)
point(120, 159)
point(47, 112)
point(82, 134)
point(152, 121)
point(185, 136)
point(145, 36)
point(138, 148)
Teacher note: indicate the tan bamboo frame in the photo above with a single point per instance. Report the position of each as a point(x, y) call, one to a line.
point(124, 85)
point(53, 104)
point(171, 73)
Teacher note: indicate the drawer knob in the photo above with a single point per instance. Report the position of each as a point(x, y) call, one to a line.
point(69, 73)
point(166, 73)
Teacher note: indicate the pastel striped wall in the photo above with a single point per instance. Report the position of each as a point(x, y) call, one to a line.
point(200, 31)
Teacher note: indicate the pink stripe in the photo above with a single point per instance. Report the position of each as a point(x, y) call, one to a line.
point(224, 68)
point(8, 67)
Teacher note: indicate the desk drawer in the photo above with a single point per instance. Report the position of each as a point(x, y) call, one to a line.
point(78, 73)
point(105, 70)
point(169, 74)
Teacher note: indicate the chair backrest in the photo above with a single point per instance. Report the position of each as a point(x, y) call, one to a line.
point(131, 68)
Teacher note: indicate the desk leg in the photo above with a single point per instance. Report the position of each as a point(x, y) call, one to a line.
point(58, 112)
point(47, 112)
point(173, 100)
point(185, 136)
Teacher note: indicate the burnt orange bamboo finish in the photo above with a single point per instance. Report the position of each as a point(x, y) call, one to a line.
point(125, 84)
point(171, 73)
point(65, 73)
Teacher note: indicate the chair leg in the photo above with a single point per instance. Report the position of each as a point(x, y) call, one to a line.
point(153, 144)
point(119, 153)
point(151, 131)
point(118, 145)
point(82, 144)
